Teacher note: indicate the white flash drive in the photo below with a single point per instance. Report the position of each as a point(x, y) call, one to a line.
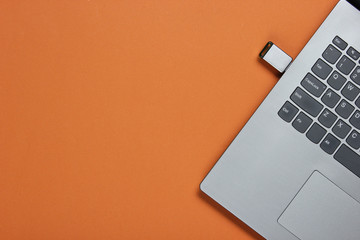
point(275, 57)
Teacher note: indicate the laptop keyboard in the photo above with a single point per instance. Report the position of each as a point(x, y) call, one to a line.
point(326, 105)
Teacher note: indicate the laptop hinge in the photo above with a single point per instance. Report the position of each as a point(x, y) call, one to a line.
point(355, 3)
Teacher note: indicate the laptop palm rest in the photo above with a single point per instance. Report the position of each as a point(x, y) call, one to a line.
point(321, 210)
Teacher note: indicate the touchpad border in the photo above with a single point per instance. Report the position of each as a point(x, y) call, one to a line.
point(322, 210)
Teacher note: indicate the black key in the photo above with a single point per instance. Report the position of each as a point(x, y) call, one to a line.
point(327, 118)
point(344, 109)
point(350, 91)
point(288, 111)
point(330, 143)
point(336, 80)
point(321, 69)
point(306, 102)
point(301, 122)
point(340, 43)
point(357, 102)
point(354, 139)
point(349, 159)
point(331, 54)
point(345, 65)
point(313, 85)
point(330, 98)
point(355, 119)
point(341, 129)
point(315, 133)
point(353, 53)
point(355, 76)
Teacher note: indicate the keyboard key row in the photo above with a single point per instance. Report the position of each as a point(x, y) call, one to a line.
point(331, 98)
point(326, 118)
point(302, 121)
point(313, 107)
point(316, 132)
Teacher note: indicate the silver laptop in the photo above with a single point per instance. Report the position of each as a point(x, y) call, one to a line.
point(293, 171)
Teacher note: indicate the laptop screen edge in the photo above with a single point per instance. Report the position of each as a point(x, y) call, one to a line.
point(355, 3)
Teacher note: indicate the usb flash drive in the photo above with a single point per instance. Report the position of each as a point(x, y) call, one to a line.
point(275, 57)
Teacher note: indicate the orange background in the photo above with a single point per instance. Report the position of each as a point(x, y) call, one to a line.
point(112, 112)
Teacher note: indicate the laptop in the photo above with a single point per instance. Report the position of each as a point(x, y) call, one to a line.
point(293, 171)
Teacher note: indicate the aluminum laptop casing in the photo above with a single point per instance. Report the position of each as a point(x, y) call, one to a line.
point(269, 161)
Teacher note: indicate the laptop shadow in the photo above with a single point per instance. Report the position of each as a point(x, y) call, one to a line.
point(230, 216)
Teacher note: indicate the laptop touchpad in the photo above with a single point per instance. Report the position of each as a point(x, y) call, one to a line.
point(321, 210)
